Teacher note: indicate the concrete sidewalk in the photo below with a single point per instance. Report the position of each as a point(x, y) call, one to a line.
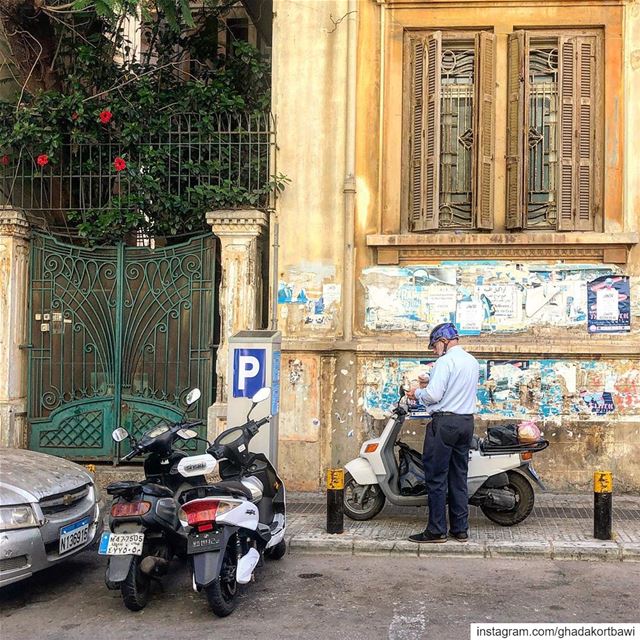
point(560, 527)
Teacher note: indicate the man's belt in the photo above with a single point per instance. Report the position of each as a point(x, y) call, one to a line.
point(450, 413)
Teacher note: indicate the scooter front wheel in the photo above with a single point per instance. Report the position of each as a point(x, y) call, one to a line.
point(361, 502)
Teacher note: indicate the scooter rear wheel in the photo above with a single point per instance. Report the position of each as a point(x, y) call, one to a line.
point(136, 587)
point(222, 594)
point(525, 498)
point(361, 502)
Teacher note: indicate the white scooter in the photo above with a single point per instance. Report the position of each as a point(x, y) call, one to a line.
point(232, 524)
point(499, 477)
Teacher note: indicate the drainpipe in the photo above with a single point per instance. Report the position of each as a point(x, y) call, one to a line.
point(349, 189)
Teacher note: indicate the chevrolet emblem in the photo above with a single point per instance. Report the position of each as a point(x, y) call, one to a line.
point(67, 499)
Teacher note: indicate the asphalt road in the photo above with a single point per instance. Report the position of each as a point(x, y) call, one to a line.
point(328, 597)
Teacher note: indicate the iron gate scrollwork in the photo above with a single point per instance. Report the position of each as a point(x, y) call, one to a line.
point(118, 337)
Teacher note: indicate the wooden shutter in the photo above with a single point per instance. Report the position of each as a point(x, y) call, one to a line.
point(431, 167)
point(577, 204)
point(417, 160)
point(586, 105)
point(485, 91)
point(517, 89)
point(567, 135)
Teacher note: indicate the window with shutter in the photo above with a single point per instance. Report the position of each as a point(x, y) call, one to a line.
point(552, 131)
point(451, 130)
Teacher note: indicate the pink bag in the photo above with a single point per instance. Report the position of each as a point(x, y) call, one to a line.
point(528, 432)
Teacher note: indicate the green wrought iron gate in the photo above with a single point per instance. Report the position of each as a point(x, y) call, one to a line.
point(118, 337)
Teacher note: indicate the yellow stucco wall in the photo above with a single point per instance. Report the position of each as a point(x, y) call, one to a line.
point(310, 103)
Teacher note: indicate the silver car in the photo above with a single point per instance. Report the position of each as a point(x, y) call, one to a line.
point(48, 512)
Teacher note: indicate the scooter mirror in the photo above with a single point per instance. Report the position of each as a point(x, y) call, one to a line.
point(187, 434)
point(193, 396)
point(402, 391)
point(261, 394)
point(120, 434)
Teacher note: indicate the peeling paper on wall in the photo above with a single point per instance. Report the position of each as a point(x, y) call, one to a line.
point(481, 296)
point(550, 390)
point(308, 295)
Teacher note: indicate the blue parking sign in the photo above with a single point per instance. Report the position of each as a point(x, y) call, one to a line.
point(249, 371)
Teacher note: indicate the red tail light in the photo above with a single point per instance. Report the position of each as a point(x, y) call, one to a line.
point(205, 510)
point(201, 511)
point(124, 509)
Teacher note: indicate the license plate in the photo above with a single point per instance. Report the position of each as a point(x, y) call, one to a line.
point(201, 542)
point(74, 535)
point(121, 544)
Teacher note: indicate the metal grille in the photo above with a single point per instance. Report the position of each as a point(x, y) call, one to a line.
point(457, 74)
point(63, 502)
point(542, 138)
point(196, 154)
point(119, 335)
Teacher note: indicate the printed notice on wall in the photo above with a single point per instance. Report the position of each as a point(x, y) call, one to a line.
point(609, 304)
point(469, 316)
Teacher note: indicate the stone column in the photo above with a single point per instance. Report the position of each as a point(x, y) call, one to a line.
point(240, 292)
point(14, 278)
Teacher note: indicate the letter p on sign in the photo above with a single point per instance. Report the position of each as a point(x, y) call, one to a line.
point(249, 369)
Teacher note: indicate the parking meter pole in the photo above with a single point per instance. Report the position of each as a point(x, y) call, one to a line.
point(602, 504)
point(335, 491)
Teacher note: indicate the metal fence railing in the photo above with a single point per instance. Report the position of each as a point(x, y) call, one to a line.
point(223, 160)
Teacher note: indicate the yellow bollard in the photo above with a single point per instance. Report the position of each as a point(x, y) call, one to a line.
point(335, 496)
point(602, 504)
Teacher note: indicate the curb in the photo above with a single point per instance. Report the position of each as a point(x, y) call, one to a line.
point(598, 551)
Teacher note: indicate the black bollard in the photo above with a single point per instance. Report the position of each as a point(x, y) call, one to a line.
point(335, 496)
point(602, 504)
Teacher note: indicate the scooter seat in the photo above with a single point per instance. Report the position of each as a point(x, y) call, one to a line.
point(158, 490)
point(131, 487)
point(123, 486)
point(233, 488)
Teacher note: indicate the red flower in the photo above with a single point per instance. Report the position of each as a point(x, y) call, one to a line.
point(74, 115)
point(4, 160)
point(119, 163)
point(105, 116)
point(42, 159)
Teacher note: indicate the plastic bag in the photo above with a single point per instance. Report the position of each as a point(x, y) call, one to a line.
point(528, 432)
point(411, 472)
point(503, 435)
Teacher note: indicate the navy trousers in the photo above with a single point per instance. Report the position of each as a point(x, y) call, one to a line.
point(446, 462)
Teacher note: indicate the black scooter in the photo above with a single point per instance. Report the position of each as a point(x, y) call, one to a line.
point(145, 532)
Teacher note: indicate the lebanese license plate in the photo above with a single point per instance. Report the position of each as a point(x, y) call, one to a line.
point(74, 535)
point(201, 542)
point(121, 544)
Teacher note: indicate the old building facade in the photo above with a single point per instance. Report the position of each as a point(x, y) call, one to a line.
point(465, 161)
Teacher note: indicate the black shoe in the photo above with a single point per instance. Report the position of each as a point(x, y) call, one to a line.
point(460, 537)
point(427, 536)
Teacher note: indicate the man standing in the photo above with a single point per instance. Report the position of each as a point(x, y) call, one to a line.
point(450, 397)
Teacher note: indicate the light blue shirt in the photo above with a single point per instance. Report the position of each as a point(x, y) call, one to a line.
point(453, 383)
